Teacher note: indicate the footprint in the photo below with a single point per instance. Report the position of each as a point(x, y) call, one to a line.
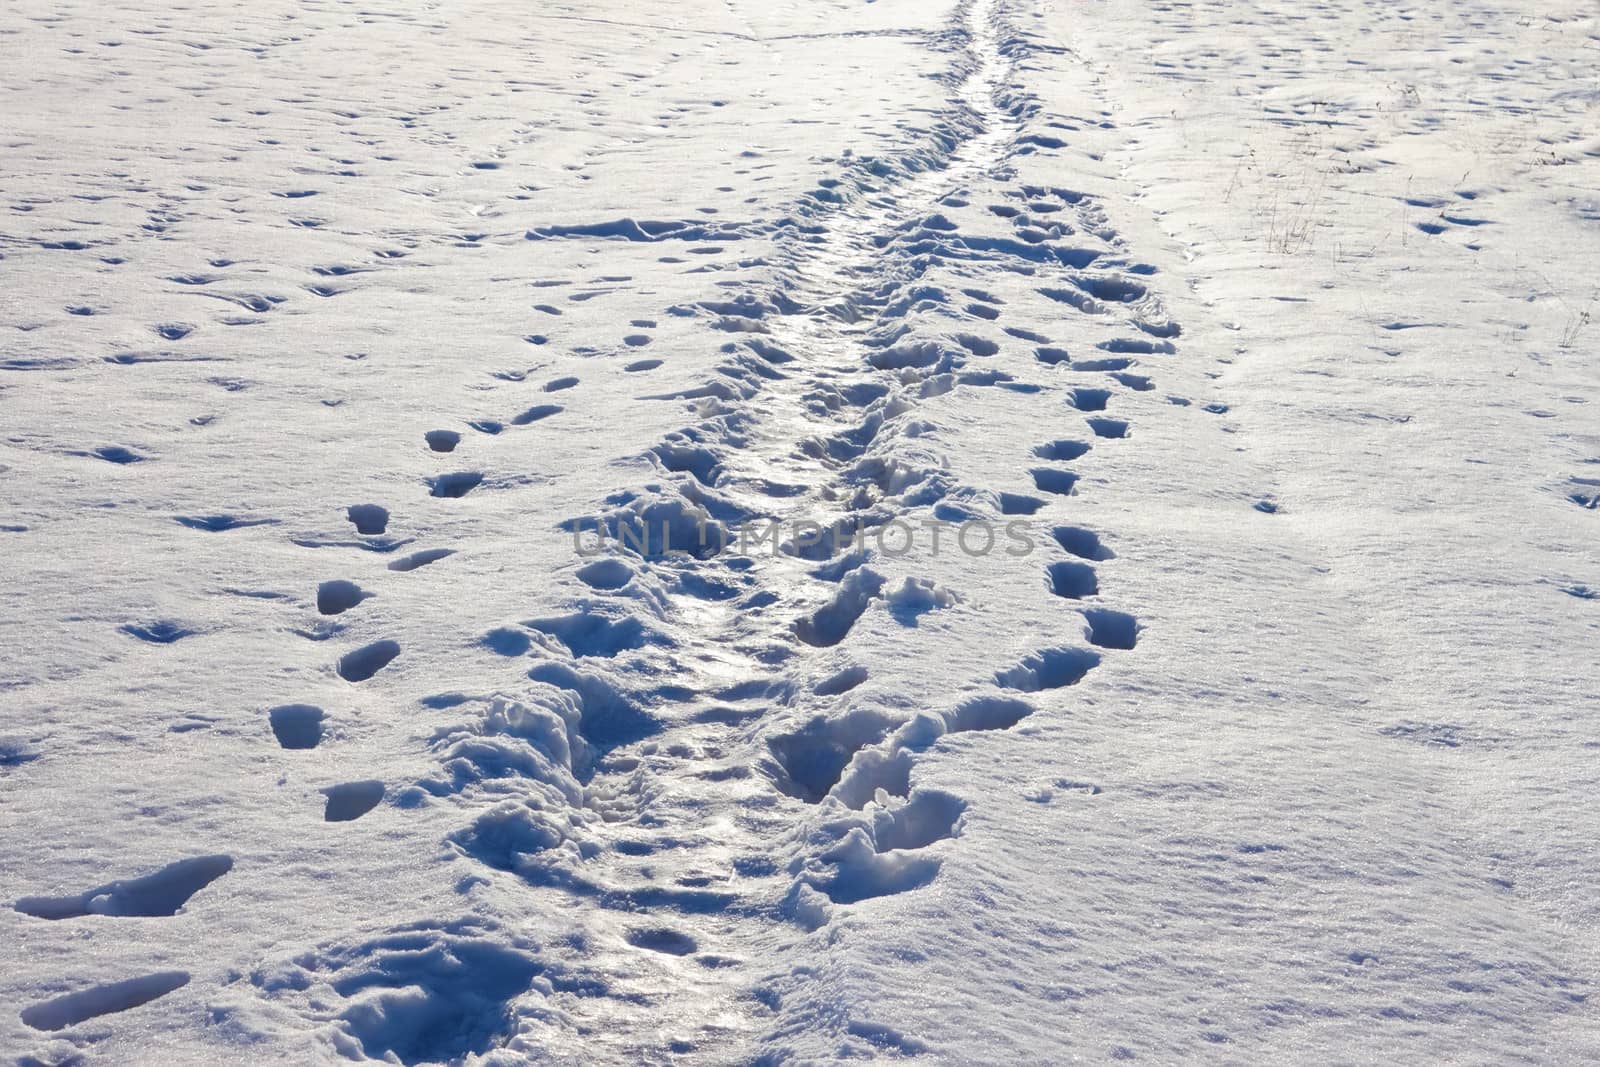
point(455, 485)
point(559, 384)
point(1085, 544)
point(74, 1008)
point(1134, 346)
point(370, 519)
point(861, 872)
point(608, 719)
point(506, 642)
point(367, 660)
point(165, 632)
point(431, 991)
point(119, 455)
point(1052, 668)
point(1111, 629)
point(1074, 299)
point(535, 413)
point(811, 760)
point(986, 713)
point(1054, 480)
point(173, 331)
point(1109, 287)
point(660, 939)
point(1062, 451)
point(14, 753)
point(587, 634)
point(219, 523)
point(1590, 500)
point(1090, 399)
point(421, 559)
point(1072, 580)
point(928, 815)
point(701, 463)
point(642, 365)
point(159, 894)
point(1019, 504)
point(831, 623)
point(296, 726)
point(339, 596)
point(887, 767)
point(842, 682)
point(442, 440)
point(978, 346)
point(351, 800)
point(605, 574)
point(1109, 427)
point(1051, 356)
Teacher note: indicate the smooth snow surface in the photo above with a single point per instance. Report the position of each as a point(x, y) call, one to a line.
point(742, 532)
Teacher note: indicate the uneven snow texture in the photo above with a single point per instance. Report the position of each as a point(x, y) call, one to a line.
point(1178, 644)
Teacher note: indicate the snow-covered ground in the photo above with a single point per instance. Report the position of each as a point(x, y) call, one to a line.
point(1131, 471)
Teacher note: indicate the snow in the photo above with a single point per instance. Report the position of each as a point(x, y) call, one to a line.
point(982, 532)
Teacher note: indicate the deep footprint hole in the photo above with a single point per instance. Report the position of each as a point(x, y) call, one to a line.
point(370, 519)
point(296, 726)
point(351, 800)
point(1054, 480)
point(452, 486)
point(368, 660)
point(1052, 668)
point(1072, 580)
point(1085, 544)
point(1019, 504)
point(1090, 399)
point(1062, 451)
point(660, 939)
point(338, 596)
point(442, 440)
point(1111, 629)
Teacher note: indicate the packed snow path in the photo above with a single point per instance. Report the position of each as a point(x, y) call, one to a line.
point(760, 536)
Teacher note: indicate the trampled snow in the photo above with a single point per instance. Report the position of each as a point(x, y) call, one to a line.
point(983, 532)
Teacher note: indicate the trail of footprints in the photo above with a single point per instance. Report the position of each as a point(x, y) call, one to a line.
point(860, 328)
point(602, 735)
